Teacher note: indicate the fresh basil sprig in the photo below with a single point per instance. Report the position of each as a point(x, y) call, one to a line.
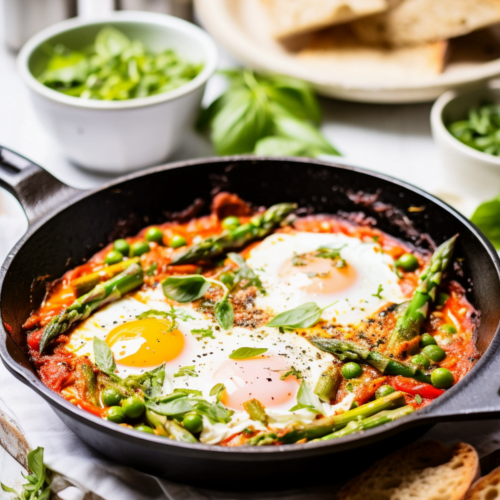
point(37, 486)
point(307, 399)
point(303, 316)
point(193, 287)
point(487, 218)
point(217, 391)
point(267, 115)
point(247, 352)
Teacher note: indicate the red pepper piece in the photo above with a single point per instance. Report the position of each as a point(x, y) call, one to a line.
point(413, 387)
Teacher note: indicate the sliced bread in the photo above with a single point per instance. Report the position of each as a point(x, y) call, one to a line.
point(487, 488)
point(410, 22)
point(422, 471)
point(336, 52)
point(294, 17)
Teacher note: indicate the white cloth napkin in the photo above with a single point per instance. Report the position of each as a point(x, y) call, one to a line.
point(92, 475)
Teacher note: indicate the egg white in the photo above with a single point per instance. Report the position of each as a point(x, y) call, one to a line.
point(359, 301)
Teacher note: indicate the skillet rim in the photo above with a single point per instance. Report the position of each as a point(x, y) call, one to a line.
point(243, 453)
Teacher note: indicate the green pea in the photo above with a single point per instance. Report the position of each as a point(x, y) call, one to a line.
point(230, 222)
point(408, 262)
point(115, 414)
point(227, 279)
point(138, 248)
point(447, 328)
point(144, 428)
point(178, 241)
point(434, 353)
point(383, 391)
point(355, 404)
point(111, 397)
point(122, 246)
point(351, 370)
point(427, 339)
point(193, 423)
point(113, 257)
point(133, 407)
point(154, 234)
point(421, 360)
point(442, 378)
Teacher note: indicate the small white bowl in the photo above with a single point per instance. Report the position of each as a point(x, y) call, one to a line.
point(470, 172)
point(120, 136)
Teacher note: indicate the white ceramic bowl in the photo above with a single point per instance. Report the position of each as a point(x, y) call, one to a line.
point(120, 136)
point(470, 172)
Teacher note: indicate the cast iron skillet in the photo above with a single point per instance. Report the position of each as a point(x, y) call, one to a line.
point(67, 226)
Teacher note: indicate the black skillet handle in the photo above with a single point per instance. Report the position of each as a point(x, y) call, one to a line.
point(478, 394)
point(36, 189)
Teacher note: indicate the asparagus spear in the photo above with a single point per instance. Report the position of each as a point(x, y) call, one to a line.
point(368, 423)
point(171, 428)
point(328, 384)
point(256, 411)
point(352, 352)
point(259, 227)
point(86, 283)
point(324, 426)
point(102, 294)
point(327, 425)
point(408, 325)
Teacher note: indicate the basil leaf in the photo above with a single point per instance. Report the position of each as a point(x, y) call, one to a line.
point(174, 404)
point(35, 463)
point(151, 382)
point(487, 219)
point(303, 316)
point(216, 412)
point(224, 314)
point(186, 371)
point(293, 128)
point(103, 356)
point(185, 288)
point(240, 123)
point(283, 146)
point(152, 269)
point(217, 390)
point(307, 399)
point(247, 352)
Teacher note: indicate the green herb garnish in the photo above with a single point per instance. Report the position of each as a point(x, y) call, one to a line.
point(203, 332)
point(186, 371)
point(418, 399)
point(380, 289)
point(303, 316)
point(292, 372)
point(37, 486)
point(266, 115)
point(307, 399)
point(247, 352)
point(217, 391)
point(115, 68)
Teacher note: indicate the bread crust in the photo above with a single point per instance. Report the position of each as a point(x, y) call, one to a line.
point(422, 471)
point(486, 488)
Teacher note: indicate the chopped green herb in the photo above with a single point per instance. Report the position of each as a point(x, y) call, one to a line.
point(152, 269)
point(245, 276)
point(203, 332)
point(293, 372)
point(379, 292)
point(217, 391)
point(186, 371)
point(173, 315)
point(115, 68)
point(298, 260)
point(418, 398)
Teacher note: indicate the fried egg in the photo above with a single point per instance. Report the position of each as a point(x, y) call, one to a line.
point(301, 267)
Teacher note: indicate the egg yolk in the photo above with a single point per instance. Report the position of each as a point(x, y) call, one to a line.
point(145, 343)
point(257, 378)
point(324, 276)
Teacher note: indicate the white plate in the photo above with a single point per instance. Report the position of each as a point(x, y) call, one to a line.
point(242, 27)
